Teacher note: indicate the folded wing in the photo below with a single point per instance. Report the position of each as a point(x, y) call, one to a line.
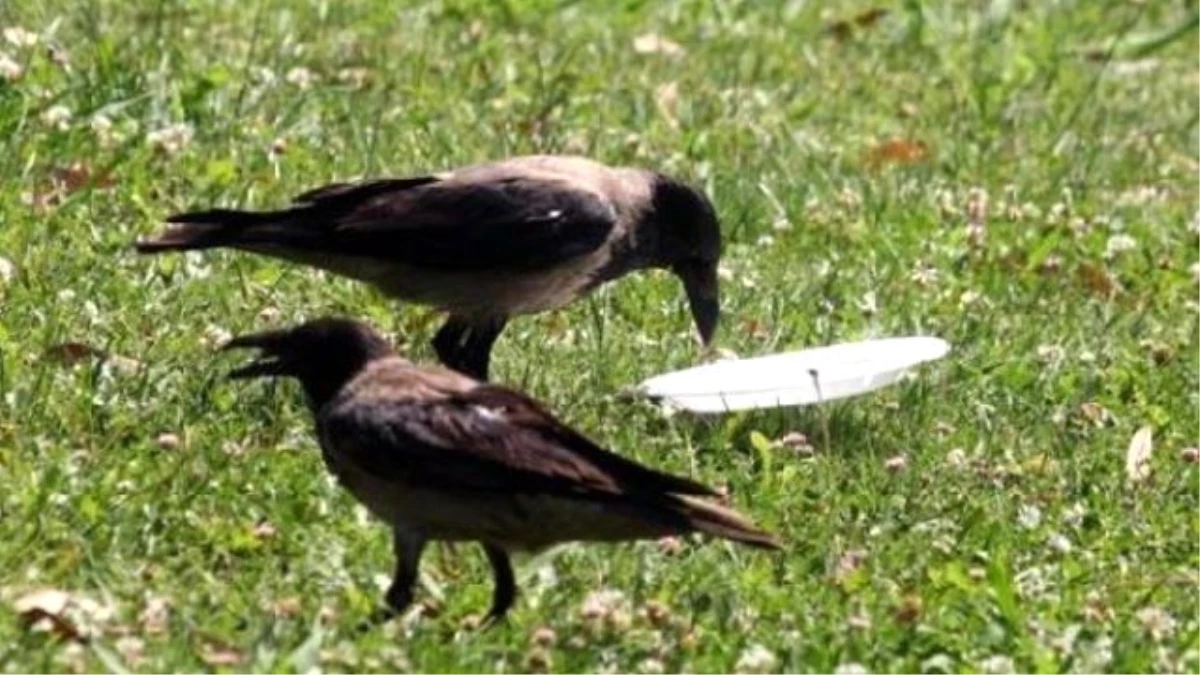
point(488, 438)
point(511, 223)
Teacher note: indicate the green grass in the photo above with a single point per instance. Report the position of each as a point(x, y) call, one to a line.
point(1011, 533)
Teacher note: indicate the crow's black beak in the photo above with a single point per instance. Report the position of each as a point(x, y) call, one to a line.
point(269, 363)
point(704, 298)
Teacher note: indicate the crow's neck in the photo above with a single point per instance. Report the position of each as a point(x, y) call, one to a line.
point(639, 249)
point(322, 387)
point(319, 393)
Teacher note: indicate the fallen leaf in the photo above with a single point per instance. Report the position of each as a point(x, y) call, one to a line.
point(1190, 455)
point(755, 329)
point(77, 176)
point(653, 43)
point(1098, 280)
point(897, 151)
point(71, 353)
point(842, 29)
point(66, 180)
point(46, 609)
point(1137, 457)
point(287, 608)
point(666, 96)
point(155, 616)
point(909, 609)
point(217, 655)
point(68, 616)
point(1095, 413)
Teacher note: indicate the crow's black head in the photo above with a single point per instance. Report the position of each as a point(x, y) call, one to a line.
point(689, 244)
point(323, 354)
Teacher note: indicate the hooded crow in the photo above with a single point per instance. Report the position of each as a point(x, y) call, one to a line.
point(439, 456)
point(485, 242)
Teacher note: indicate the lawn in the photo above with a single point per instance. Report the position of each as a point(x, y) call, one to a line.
point(1019, 178)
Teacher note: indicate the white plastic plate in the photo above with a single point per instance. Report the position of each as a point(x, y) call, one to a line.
point(794, 378)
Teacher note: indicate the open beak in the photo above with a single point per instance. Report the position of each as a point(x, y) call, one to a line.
point(704, 298)
point(268, 363)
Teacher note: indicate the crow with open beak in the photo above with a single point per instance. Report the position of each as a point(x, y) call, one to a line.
point(485, 242)
point(442, 457)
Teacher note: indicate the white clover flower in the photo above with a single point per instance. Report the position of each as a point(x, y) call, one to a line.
point(756, 659)
point(10, 70)
point(300, 77)
point(1119, 243)
point(997, 665)
point(57, 116)
point(1029, 516)
point(19, 37)
point(1158, 624)
point(172, 138)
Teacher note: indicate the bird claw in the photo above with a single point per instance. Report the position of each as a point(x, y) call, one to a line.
point(491, 620)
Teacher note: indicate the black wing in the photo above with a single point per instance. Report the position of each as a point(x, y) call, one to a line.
point(512, 223)
point(489, 439)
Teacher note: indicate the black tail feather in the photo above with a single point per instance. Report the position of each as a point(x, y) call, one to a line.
point(227, 217)
point(208, 229)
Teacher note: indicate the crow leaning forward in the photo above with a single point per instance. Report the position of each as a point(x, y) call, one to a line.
point(485, 242)
point(440, 456)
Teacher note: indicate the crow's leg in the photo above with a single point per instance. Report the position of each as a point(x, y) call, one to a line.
point(449, 341)
point(408, 547)
point(466, 346)
point(477, 352)
point(506, 585)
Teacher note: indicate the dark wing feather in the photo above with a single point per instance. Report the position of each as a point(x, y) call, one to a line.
point(512, 223)
point(489, 439)
point(342, 194)
point(529, 414)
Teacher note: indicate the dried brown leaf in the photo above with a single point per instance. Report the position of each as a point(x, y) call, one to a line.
point(909, 609)
point(46, 609)
point(1098, 280)
point(77, 176)
point(66, 180)
point(755, 329)
point(897, 151)
point(71, 353)
point(1137, 457)
point(870, 17)
point(287, 608)
point(843, 29)
point(1095, 413)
